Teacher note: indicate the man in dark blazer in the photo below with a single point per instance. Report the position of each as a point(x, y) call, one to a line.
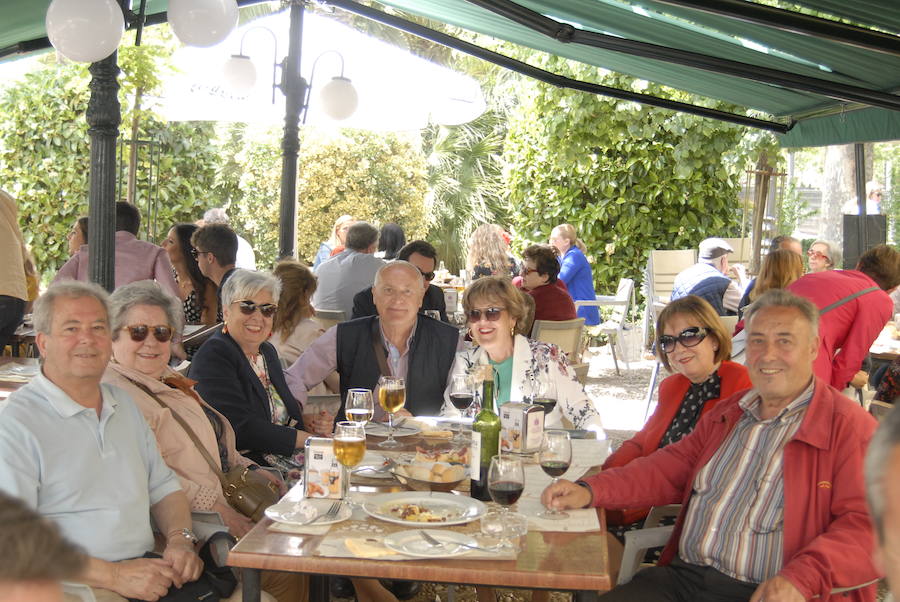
point(422, 255)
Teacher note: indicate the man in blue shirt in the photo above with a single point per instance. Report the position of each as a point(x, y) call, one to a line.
point(80, 454)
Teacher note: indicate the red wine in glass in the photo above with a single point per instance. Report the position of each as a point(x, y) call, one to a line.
point(506, 493)
point(554, 468)
point(548, 404)
point(461, 401)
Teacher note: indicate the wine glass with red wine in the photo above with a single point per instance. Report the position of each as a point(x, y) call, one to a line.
point(506, 480)
point(544, 392)
point(555, 458)
point(462, 393)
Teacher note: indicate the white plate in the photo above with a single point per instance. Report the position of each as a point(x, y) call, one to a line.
point(302, 512)
point(412, 543)
point(455, 509)
point(373, 462)
point(380, 429)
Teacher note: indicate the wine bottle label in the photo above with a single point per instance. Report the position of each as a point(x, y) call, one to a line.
point(475, 456)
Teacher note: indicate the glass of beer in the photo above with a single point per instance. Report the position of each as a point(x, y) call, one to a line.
point(349, 443)
point(391, 397)
point(359, 407)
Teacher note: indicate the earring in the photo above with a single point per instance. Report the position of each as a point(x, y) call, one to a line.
point(224, 328)
point(512, 330)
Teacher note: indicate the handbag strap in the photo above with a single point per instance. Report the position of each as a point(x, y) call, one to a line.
point(187, 428)
point(378, 346)
point(847, 299)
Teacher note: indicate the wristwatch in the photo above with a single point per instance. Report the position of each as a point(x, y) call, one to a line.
point(185, 533)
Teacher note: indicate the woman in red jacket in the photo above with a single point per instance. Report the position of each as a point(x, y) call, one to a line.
point(694, 344)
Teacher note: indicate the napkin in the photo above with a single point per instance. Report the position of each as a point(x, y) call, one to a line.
point(579, 521)
point(299, 529)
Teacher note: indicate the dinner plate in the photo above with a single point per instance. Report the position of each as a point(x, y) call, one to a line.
point(380, 429)
point(412, 543)
point(304, 511)
point(371, 466)
point(447, 509)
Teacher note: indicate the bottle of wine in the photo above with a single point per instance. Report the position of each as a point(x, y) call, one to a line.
point(487, 429)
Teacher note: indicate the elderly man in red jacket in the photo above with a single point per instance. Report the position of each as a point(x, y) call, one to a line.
point(771, 482)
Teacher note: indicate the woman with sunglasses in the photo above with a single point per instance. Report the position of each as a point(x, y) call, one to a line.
point(693, 343)
point(496, 314)
point(824, 255)
point(240, 374)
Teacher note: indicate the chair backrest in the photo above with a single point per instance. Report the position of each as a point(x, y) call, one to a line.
point(729, 322)
point(565, 334)
point(329, 317)
point(662, 268)
point(625, 296)
point(743, 250)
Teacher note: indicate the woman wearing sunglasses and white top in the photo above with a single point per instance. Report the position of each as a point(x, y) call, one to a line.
point(495, 313)
point(238, 372)
point(693, 343)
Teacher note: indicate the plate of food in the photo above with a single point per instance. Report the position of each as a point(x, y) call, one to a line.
point(380, 429)
point(308, 512)
point(412, 543)
point(434, 509)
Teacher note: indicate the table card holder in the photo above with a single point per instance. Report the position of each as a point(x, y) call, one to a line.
point(323, 475)
point(521, 427)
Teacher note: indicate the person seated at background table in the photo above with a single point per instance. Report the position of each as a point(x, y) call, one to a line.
point(770, 482)
point(238, 371)
point(780, 268)
point(36, 557)
point(391, 239)
point(79, 452)
point(245, 257)
point(135, 259)
point(422, 255)
point(708, 278)
point(575, 270)
point(215, 248)
point(348, 272)
point(415, 347)
point(196, 291)
point(78, 235)
point(144, 321)
point(824, 255)
point(495, 310)
point(692, 343)
point(489, 253)
point(335, 242)
point(788, 243)
point(540, 268)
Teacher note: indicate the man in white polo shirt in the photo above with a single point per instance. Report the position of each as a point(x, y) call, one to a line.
point(80, 454)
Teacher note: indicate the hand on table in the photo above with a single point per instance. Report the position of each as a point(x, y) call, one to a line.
point(181, 556)
point(565, 495)
point(777, 589)
point(142, 578)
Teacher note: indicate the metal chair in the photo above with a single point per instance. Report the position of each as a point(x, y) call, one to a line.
point(329, 317)
point(614, 328)
point(565, 334)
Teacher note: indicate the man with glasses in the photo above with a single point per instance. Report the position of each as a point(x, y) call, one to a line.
point(135, 259)
point(79, 453)
point(855, 306)
point(770, 481)
point(424, 256)
point(215, 248)
point(413, 346)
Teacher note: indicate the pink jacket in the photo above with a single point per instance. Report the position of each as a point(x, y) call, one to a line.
point(828, 539)
point(135, 260)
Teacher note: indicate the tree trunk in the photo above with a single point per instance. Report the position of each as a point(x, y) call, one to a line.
point(839, 186)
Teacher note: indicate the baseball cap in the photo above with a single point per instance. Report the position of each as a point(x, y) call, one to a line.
point(713, 248)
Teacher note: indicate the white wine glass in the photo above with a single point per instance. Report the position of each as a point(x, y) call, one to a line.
point(360, 407)
point(391, 398)
point(555, 458)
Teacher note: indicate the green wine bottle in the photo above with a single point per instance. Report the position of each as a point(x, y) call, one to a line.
point(487, 428)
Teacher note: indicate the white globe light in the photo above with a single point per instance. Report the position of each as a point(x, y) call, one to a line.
point(339, 98)
point(240, 73)
point(85, 31)
point(202, 22)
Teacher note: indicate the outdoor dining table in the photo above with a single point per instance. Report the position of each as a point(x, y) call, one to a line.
point(578, 561)
point(15, 372)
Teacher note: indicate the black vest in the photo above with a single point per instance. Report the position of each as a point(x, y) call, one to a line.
point(431, 353)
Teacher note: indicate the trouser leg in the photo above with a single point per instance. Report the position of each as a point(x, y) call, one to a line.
point(11, 311)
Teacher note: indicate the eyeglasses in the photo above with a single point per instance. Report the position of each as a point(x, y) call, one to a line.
point(139, 332)
point(428, 276)
point(817, 255)
point(195, 253)
point(491, 314)
point(526, 271)
point(248, 307)
point(689, 337)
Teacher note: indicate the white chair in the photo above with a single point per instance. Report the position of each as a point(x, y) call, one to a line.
point(565, 334)
point(329, 317)
point(659, 280)
point(614, 328)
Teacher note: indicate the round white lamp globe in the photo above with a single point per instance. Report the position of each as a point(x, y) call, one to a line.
point(339, 98)
point(202, 22)
point(239, 73)
point(85, 31)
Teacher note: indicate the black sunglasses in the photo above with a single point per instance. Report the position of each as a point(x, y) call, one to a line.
point(689, 337)
point(139, 332)
point(195, 253)
point(248, 307)
point(428, 276)
point(491, 314)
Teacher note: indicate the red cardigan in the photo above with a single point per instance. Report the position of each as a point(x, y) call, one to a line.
point(553, 302)
point(733, 378)
point(828, 538)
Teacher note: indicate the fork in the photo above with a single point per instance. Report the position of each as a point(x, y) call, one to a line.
point(332, 512)
point(434, 543)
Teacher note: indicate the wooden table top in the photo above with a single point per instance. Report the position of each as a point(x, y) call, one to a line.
point(548, 560)
point(7, 386)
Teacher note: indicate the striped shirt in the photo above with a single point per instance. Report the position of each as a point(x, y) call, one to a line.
point(735, 520)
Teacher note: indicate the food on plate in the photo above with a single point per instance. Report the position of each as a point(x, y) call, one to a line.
point(434, 472)
point(416, 513)
point(366, 549)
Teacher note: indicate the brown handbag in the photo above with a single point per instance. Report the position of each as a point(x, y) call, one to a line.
point(247, 491)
